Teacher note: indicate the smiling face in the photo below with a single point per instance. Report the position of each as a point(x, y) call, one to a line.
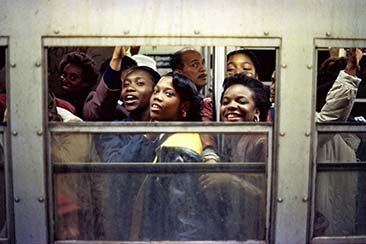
point(72, 79)
point(194, 68)
point(239, 63)
point(165, 101)
point(238, 105)
point(137, 88)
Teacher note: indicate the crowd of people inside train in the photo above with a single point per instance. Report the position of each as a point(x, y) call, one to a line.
point(213, 206)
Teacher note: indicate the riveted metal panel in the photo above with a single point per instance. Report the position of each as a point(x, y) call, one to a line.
point(206, 22)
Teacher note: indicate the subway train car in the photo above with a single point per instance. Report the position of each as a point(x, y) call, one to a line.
point(258, 136)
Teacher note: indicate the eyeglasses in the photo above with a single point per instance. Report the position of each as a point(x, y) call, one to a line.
point(70, 76)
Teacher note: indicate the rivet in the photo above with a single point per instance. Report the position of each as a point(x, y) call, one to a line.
point(282, 133)
point(40, 199)
point(307, 133)
point(305, 199)
point(328, 34)
point(126, 32)
point(197, 32)
point(16, 199)
point(38, 64)
point(266, 33)
point(39, 132)
point(13, 65)
point(284, 66)
point(14, 133)
point(56, 32)
point(309, 66)
point(279, 199)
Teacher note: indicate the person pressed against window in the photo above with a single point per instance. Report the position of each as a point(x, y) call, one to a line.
point(78, 76)
point(238, 105)
point(240, 61)
point(241, 197)
point(137, 89)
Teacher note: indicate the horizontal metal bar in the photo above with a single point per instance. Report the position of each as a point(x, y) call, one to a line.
point(339, 240)
point(331, 42)
point(159, 127)
point(341, 166)
point(161, 242)
point(95, 41)
point(158, 168)
point(343, 127)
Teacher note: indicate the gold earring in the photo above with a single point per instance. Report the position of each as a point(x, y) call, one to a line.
point(255, 119)
point(184, 114)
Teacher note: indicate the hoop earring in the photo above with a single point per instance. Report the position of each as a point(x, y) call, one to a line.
point(255, 119)
point(184, 114)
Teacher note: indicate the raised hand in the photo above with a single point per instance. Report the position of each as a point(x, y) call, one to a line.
point(353, 61)
point(118, 53)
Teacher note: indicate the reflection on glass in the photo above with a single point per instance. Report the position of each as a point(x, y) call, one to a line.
point(159, 206)
point(340, 147)
point(3, 229)
point(340, 194)
point(207, 206)
point(340, 204)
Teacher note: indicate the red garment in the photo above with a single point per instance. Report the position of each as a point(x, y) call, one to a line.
point(65, 204)
point(207, 108)
point(2, 106)
point(66, 105)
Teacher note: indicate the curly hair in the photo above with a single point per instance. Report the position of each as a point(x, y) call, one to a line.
point(251, 56)
point(85, 63)
point(260, 93)
point(326, 77)
point(188, 93)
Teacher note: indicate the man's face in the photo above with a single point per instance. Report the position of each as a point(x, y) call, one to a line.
point(193, 68)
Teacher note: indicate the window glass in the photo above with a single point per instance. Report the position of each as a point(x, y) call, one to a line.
point(330, 62)
point(3, 184)
point(340, 198)
point(154, 186)
point(110, 186)
point(3, 225)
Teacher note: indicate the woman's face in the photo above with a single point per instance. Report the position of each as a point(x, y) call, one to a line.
point(165, 102)
point(238, 105)
point(72, 79)
point(137, 88)
point(239, 63)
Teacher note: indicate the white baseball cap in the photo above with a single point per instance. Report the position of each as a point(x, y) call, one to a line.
point(143, 60)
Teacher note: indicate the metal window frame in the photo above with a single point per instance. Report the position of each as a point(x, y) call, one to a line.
point(322, 43)
point(4, 42)
point(96, 127)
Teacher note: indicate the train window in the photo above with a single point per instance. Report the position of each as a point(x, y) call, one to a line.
point(339, 197)
point(121, 186)
point(125, 181)
point(71, 95)
point(4, 191)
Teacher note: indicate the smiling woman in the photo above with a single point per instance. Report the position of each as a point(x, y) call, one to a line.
point(78, 76)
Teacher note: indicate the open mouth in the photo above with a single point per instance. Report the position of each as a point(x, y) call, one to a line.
point(155, 107)
point(202, 76)
point(130, 99)
point(233, 117)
